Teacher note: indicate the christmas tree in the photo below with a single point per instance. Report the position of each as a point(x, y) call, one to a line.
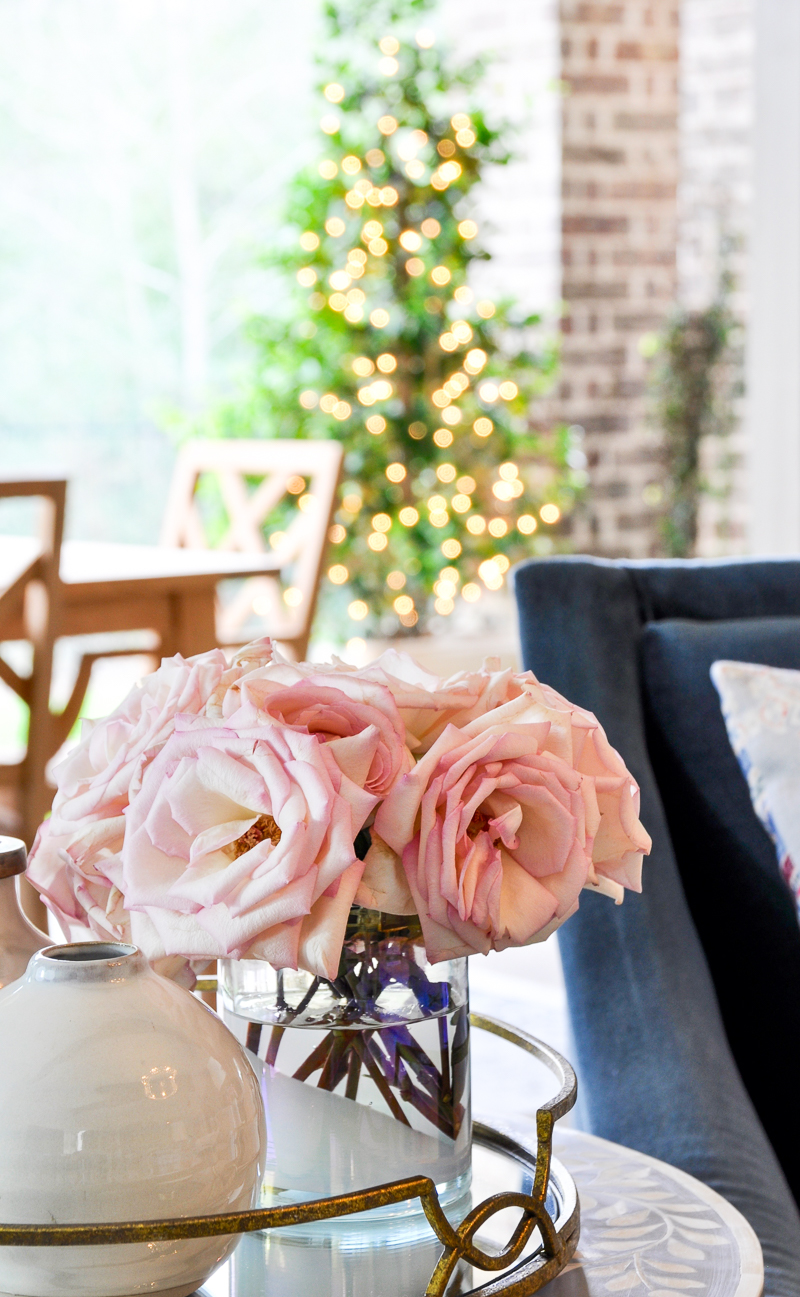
point(386, 346)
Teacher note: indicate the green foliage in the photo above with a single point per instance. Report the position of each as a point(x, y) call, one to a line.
point(693, 386)
point(382, 344)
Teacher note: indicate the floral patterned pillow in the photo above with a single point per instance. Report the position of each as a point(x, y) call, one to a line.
point(761, 706)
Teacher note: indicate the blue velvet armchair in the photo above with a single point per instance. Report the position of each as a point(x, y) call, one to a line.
point(684, 1001)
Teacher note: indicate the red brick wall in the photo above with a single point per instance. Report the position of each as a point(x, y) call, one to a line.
point(619, 178)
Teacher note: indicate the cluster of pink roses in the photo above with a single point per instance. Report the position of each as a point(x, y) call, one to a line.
point(214, 812)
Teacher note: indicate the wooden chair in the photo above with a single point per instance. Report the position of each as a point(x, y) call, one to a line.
point(30, 599)
point(306, 471)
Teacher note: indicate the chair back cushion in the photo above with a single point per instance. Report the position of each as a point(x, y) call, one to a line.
point(729, 868)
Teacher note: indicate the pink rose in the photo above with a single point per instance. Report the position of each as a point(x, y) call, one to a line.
point(426, 703)
point(357, 718)
point(495, 837)
point(242, 845)
point(574, 735)
point(578, 738)
point(75, 858)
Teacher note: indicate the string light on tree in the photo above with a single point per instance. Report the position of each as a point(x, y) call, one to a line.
point(386, 345)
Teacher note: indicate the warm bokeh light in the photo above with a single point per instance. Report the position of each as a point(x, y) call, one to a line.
point(485, 309)
point(475, 360)
point(498, 527)
point(449, 171)
point(306, 277)
point(452, 415)
point(443, 438)
point(341, 411)
point(526, 524)
point(351, 502)
point(335, 226)
point(466, 484)
point(462, 331)
point(378, 247)
point(334, 93)
point(353, 313)
point(379, 318)
point(328, 169)
point(430, 227)
point(461, 503)
point(408, 516)
point(471, 592)
point(306, 503)
point(440, 275)
point(438, 517)
point(425, 38)
point(387, 363)
point(388, 66)
point(277, 539)
point(309, 400)
point(444, 606)
point(363, 366)
point(445, 148)
point(338, 574)
point(376, 424)
point(488, 392)
point(372, 230)
point(417, 430)
point(410, 240)
point(296, 485)
point(389, 45)
point(389, 196)
point(451, 548)
point(330, 123)
point(437, 502)
point(309, 241)
point(415, 266)
point(490, 574)
point(292, 596)
point(460, 122)
point(337, 533)
point(446, 473)
point(354, 199)
point(467, 229)
point(403, 605)
point(465, 139)
point(337, 302)
point(381, 522)
point(550, 513)
point(339, 280)
point(508, 391)
point(387, 124)
point(375, 157)
point(351, 164)
point(357, 610)
point(483, 426)
point(503, 491)
point(377, 541)
point(396, 580)
point(463, 294)
point(447, 341)
point(396, 472)
point(508, 471)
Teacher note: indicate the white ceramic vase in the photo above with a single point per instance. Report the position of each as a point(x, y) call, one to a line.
point(18, 938)
point(122, 1097)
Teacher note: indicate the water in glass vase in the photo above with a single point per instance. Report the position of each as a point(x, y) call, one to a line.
point(365, 1077)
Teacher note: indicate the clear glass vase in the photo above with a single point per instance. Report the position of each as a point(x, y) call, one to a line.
point(365, 1077)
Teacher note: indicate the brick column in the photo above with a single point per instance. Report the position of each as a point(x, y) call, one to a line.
point(619, 179)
